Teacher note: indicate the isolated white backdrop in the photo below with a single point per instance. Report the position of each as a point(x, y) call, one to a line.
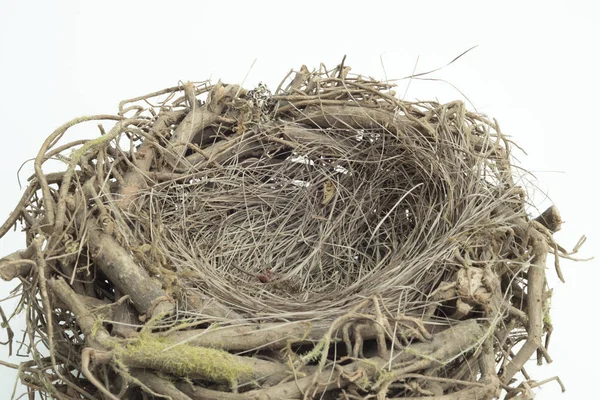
point(536, 70)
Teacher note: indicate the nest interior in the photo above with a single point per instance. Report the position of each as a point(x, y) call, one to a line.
point(326, 240)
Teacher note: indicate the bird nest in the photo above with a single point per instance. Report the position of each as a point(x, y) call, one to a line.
point(327, 240)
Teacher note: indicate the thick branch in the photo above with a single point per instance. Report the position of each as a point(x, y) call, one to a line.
point(487, 392)
point(135, 178)
point(124, 321)
point(348, 116)
point(209, 307)
point(159, 385)
point(117, 264)
point(550, 219)
point(197, 120)
point(16, 264)
point(200, 362)
point(251, 336)
point(536, 279)
point(85, 318)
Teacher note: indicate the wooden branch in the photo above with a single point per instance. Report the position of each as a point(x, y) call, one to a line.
point(536, 279)
point(196, 392)
point(348, 116)
point(550, 219)
point(86, 355)
point(197, 120)
point(85, 318)
point(124, 321)
point(210, 307)
point(16, 264)
point(14, 216)
point(78, 155)
point(159, 385)
point(201, 363)
point(135, 178)
point(251, 336)
point(117, 264)
point(40, 158)
point(487, 392)
point(305, 137)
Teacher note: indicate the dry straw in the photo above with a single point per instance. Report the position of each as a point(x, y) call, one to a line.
point(325, 241)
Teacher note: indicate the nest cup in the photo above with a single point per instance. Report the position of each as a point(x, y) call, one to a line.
point(313, 210)
point(326, 240)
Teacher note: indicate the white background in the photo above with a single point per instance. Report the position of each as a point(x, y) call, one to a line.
point(536, 70)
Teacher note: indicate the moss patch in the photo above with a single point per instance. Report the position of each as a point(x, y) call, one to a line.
point(184, 360)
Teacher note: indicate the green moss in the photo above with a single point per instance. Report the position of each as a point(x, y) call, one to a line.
point(96, 327)
point(363, 383)
point(547, 321)
point(92, 144)
point(184, 360)
point(316, 353)
point(153, 323)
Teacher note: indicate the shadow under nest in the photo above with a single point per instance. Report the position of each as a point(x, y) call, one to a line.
point(325, 241)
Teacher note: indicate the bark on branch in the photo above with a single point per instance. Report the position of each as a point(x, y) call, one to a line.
point(117, 264)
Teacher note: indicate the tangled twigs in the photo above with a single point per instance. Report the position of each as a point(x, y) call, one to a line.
point(327, 241)
point(536, 280)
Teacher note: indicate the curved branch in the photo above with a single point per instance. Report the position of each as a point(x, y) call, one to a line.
point(49, 142)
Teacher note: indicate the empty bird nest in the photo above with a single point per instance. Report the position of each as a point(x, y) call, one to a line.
point(326, 240)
